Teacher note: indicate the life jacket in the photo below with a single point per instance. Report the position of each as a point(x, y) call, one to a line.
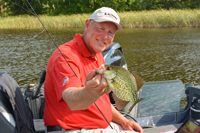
point(15, 114)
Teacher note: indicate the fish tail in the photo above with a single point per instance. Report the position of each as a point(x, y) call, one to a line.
point(139, 81)
point(134, 104)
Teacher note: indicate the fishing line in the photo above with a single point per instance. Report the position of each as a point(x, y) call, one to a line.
point(39, 2)
point(31, 39)
point(127, 114)
point(34, 13)
point(37, 34)
point(103, 115)
point(51, 38)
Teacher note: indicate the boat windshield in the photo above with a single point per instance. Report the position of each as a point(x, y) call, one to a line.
point(161, 98)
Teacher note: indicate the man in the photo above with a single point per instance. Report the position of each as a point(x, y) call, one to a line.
point(75, 95)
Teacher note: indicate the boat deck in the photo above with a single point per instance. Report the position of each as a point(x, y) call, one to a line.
point(162, 128)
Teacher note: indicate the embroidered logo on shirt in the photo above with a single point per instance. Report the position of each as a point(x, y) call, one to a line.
point(65, 80)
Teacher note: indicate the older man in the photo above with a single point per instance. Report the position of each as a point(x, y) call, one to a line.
point(75, 95)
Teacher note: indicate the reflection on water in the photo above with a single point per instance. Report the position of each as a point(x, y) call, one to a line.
point(155, 54)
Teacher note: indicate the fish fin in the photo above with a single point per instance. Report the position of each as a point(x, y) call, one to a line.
point(140, 82)
point(135, 104)
point(120, 104)
point(110, 85)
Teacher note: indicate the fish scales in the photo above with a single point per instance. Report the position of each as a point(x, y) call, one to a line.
point(123, 85)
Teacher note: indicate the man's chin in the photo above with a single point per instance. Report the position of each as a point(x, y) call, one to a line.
point(100, 50)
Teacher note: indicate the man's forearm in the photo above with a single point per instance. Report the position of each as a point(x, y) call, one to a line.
point(117, 117)
point(79, 98)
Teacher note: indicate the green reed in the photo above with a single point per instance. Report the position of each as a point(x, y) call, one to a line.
point(161, 18)
point(133, 19)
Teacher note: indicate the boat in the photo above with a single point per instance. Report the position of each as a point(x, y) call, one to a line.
point(167, 105)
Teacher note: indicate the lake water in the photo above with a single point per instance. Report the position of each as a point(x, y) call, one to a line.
point(155, 54)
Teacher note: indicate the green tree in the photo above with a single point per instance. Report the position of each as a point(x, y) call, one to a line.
point(1, 8)
point(195, 4)
point(14, 7)
point(56, 7)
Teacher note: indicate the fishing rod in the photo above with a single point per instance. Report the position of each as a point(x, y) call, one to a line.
point(51, 37)
point(34, 13)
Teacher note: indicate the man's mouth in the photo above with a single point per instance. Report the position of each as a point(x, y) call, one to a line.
point(100, 41)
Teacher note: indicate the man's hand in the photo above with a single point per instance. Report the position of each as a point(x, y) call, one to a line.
point(125, 123)
point(96, 83)
point(132, 126)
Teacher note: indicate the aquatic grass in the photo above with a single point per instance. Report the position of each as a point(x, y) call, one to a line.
point(49, 21)
point(132, 19)
point(161, 18)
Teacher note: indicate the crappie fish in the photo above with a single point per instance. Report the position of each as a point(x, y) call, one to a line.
point(123, 84)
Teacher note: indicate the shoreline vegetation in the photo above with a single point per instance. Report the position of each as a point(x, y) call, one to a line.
point(132, 19)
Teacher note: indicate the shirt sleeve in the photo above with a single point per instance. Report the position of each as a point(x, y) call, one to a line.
point(64, 77)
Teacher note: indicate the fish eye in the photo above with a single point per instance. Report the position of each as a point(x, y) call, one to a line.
point(108, 68)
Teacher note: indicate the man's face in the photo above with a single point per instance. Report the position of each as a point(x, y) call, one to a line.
point(99, 35)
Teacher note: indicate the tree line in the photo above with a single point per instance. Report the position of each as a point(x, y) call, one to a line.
point(56, 7)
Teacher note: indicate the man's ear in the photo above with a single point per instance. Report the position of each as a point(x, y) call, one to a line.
point(87, 22)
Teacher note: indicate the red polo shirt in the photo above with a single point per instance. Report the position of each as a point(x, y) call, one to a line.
point(59, 76)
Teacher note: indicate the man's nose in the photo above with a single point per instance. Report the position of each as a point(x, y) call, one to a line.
point(105, 35)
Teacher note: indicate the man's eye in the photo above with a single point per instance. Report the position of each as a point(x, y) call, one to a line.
point(111, 33)
point(101, 29)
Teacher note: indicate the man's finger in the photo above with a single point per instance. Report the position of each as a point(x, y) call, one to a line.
point(97, 79)
point(91, 75)
point(102, 87)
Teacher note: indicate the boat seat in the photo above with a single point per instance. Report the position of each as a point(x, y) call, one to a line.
point(7, 119)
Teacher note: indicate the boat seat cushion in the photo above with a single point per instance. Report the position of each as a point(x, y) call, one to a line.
point(12, 102)
point(7, 120)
